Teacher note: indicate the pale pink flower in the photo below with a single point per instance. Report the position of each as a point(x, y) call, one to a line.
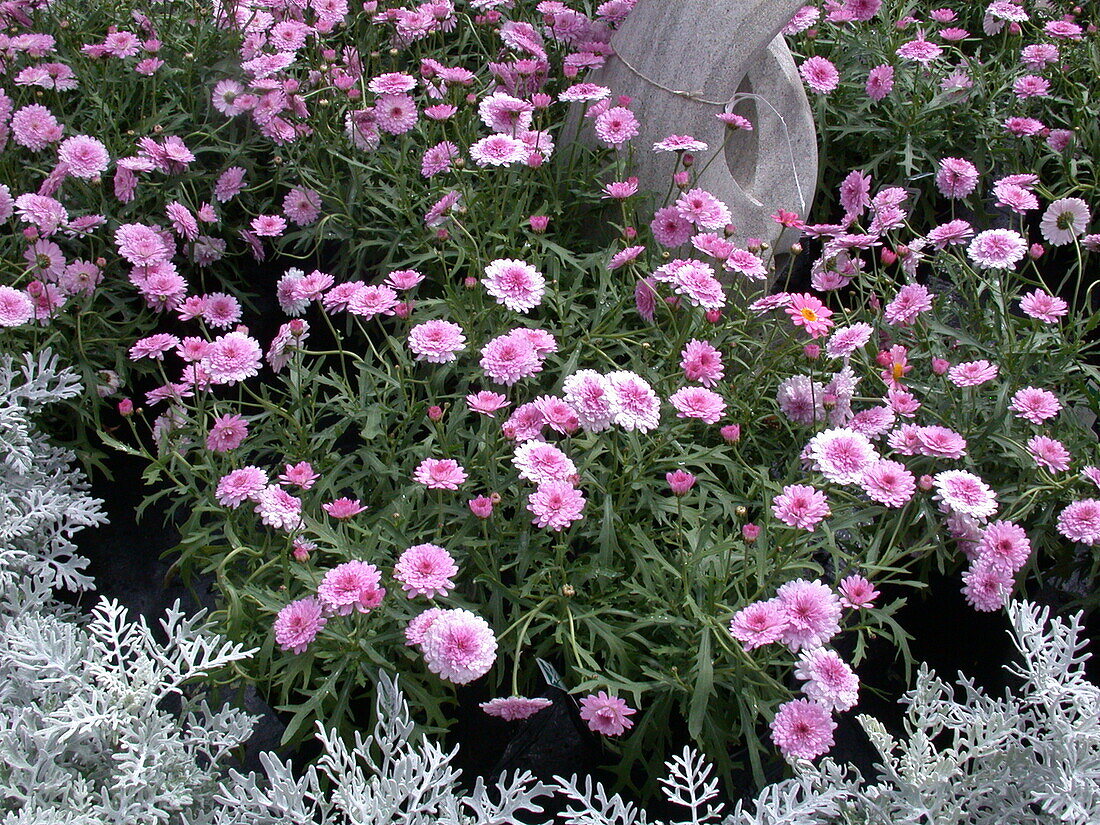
point(371, 300)
point(437, 159)
point(35, 127)
point(812, 611)
point(1004, 545)
point(939, 442)
point(637, 406)
point(343, 507)
point(997, 249)
point(498, 150)
point(842, 455)
point(353, 585)
point(801, 400)
point(696, 281)
point(437, 342)
point(965, 493)
point(232, 358)
point(141, 245)
point(801, 506)
point(820, 74)
point(556, 504)
point(911, 301)
point(298, 624)
point(889, 483)
point(300, 475)
point(420, 624)
point(487, 403)
point(439, 474)
point(84, 156)
point(1080, 521)
point(606, 714)
point(846, 340)
point(278, 509)
point(919, 50)
point(592, 398)
point(395, 113)
point(515, 284)
point(16, 307)
point(505, 114)
point(1049, 453)
point(426, 570)
point(154, 346)
point(1064, 220)
point(514, 708)
point(802, 729)
point(857, 592)
point(956, 178)
point(829, 680)
point(238, 486)
point(459, 646)
point(539, 462)
point(698, 402)
point(221, 310)
point(759, 623)
point(953, 232)
point(302, 206)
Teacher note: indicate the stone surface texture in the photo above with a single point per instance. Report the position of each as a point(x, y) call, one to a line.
point(685, 61)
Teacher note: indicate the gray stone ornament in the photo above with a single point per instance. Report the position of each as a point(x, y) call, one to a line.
point(684, 62)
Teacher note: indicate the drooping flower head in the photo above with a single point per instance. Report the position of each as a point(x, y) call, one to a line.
point(606, 714)
point(514, 708)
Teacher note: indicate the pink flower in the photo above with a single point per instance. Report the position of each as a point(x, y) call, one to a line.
point(801, 399)
point(802, 729)
point(965, 493)
point(238, 486)
point(373, 299)
point(437, 342)
point(919, 50)
point(702, 209)
point(302, 206)
point(353, 585)
point(514, 708)
point(419, 625)
point(911, 301)
point(141, 245)
point(508, 358)
point(268, 226)
point(1035, 405)
point(557, 414)
point(1044, 307)
point(697, 402)
point(1080, 521)
point(889, 483)
point(343, 508)
point(812, 611)
point(515, 284)
point(669, 227)
point(459, 646)
point(592, 398)
point(842, 455)
point(426, 570)
point(800, 505)
point(956, 178)
point(229, 184)
point(227, 433)
point(278, 509)
point(298, 624)
point(857, 592)
point(880, 81)
point(221, 310)
point(556, 504)
point(605, 714)
point(506, 114)
point(680, 482)
point(439, 474)
point(972, 373)
point(154, 346)
point(84, 156)
point(759, 624)
point(808, 312)
point(616, 126)
point(35, 127)
point(300, 475)
point(820, 75)
point(986, 587)
point(829, 679)
point(1049, 453)
point(539, 462)
point(232, 358)
point(1004, 545)
point(16, 307)
point(701, 362)
point(395, 113)
point(487, 403)
point(1064, 220)
point(939, 442)
point(482, 506)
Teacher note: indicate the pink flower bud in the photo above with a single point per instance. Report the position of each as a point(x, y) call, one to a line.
point(940, 365)
point(625, 100)
point(750, 532)
point(713, 316)
point(680, 482)
point(539, 222)
point(403, 309)
point(125, 407)
point(681, 178)
point(688, 159)
point(884, 358)
point(631, 233)
point(1036, 251)
point(812, 351)
point(731, 433)
point(482, 506)
point(470, 282)
point(925, 482)
point(435, 412)
point(887, 256)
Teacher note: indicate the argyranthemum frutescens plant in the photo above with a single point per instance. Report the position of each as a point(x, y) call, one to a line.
point(568, 450)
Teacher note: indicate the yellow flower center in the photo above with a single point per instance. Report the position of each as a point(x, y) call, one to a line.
point(808, 314)
point(899, 371)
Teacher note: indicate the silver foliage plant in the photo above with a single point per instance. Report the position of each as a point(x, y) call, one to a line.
point(99, 719)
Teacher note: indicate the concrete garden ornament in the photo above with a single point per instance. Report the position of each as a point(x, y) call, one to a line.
point(684, 62)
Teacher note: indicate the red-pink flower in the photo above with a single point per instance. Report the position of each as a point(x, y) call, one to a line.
point(808, 312)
